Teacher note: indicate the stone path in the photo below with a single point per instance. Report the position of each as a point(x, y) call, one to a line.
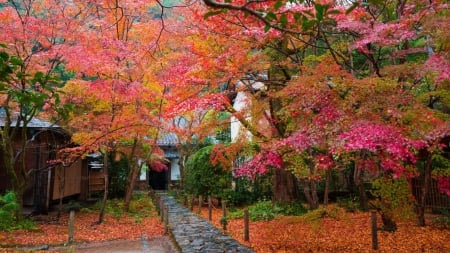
point(196, 235)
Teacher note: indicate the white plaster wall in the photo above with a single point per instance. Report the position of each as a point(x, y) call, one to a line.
point(174, 169)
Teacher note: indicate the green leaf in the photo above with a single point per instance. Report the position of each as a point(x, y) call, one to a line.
point(38, 75)
point(278, 5)
point(16, 61)
point(283, 20)
point(271, 16)
point(319, 11)
point(307, 24)
point(212, 13)
point(334, 12)
point(266, 28)
point(4, 56)
point(297, 16)
point(354, 5)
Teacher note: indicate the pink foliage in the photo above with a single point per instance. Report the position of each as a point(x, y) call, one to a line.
point(382, 140)
point(299, 141)
point(158, 166)
point(258, 165)
point(438, 64)
point(207, 102)
point(444, 185)
point(324, 161)
point(378, 33)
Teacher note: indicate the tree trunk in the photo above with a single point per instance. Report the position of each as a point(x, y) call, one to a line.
point(134, 173)
point(360, 185)
point(309, 188)
point(132, 176)
point(284, 188)
point(388, 222)
point(424, 191)
point(327, 187)
point(105, 194)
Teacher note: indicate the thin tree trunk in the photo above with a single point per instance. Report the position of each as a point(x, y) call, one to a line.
point(307, 191)
point(314, 195)
point(132, 176)
point(360, 185)
point(388, 222)
point(309, 188)
point(105, 194)
point(424, 191)
point(327, 187)
point(131, 184)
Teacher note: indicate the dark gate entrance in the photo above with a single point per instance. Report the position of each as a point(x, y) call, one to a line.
point(159, 180)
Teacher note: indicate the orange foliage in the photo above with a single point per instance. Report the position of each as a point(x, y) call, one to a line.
point(56, 233)
point(350, 233)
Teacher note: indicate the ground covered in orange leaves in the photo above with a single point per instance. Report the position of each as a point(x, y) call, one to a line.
point(350, 232)
point(85, 230)
point(346, 232)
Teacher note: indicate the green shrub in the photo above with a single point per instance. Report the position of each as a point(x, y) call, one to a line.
point(8, 210)
point(248, 191)
point(393, 198)
point(293, 209)
point(266, 210)
point(202, 178)
point(350, 204)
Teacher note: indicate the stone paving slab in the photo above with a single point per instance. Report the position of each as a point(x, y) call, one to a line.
point(196, 235)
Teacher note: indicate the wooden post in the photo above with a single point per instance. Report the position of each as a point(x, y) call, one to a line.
point(224, 215)
point(71, 226)
point(161, 210)
point(166, 220)
point(246, 226)
point(192, 202)
point(200, 201)
point(374, 230)
point(209, 209)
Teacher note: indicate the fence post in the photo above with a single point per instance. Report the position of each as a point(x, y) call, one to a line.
point(161, 210)
point(246, 226)
point(71, 226)
point(200, 201)
point(209, 208)
point(374, 230)
point(166, 219)
point(223, 220)
point(185, 200)
point(192, 202)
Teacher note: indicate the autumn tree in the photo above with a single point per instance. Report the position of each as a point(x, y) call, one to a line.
point(380, 41)
point(113, 56)
point(31, 61)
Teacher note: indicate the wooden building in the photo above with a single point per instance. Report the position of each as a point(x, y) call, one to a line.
point(44, 139)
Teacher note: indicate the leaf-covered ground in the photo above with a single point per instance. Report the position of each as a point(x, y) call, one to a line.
point(350, 232)
point(56, 232)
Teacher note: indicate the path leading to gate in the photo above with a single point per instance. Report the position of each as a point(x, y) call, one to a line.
point(194, 234)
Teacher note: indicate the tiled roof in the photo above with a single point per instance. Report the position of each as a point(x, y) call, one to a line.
point(168, 139)
point(34, 123)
